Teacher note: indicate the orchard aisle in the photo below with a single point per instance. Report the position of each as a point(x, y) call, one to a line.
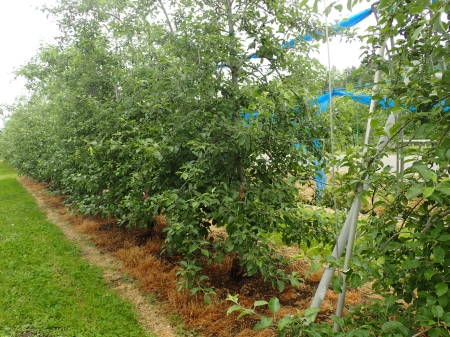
point(54, 282)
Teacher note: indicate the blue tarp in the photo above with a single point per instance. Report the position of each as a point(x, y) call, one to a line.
point(347, 23)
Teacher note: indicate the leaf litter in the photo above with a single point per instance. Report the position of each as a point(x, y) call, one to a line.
point(133, 265)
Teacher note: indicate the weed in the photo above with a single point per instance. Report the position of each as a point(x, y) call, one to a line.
point(152, 298)
point(182, 331)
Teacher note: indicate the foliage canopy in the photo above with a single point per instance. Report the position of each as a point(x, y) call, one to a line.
point(133, 115)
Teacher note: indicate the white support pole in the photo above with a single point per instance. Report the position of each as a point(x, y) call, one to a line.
point(337, 253)
point(373, 103)
point(352, 216)
point(382, 143)
point(402, 158)
point(348, 256)
point(397, 153)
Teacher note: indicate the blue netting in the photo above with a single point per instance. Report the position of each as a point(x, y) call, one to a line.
point(353, 20)
point(347, 23)
point(350, 22)
point(323, 101)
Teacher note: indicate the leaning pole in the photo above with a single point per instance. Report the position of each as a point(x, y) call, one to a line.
point(350, 223)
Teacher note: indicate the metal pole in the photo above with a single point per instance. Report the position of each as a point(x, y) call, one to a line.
point(336, 253)
point(333, 168)
point(397, 153)
point(348, 256)
point(402, 158)
point(373, 103)
point(382, 142)
point(385, 139)
point(355, 208)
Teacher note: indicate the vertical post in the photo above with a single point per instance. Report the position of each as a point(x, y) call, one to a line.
point(402, 159)
point(385, 138)
point(330, 97)
point(382, 143)
point(373, 103)
point(357, 130)
point(399, 145)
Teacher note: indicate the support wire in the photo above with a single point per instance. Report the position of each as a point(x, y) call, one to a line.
point(333, 157)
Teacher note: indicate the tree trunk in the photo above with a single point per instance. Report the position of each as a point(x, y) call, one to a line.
point(234, 67)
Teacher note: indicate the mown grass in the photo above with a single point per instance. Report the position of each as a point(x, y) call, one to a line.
point(46, 288)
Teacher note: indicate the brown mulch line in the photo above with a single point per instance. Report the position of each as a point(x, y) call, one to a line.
point(137, 253)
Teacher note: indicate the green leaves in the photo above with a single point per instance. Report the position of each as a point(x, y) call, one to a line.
point(444, 187)
point(259, 303)
point(264, 322)
point(337, 283)
point(124, 108)
point(429, 274)
point(338, 320)
point(437, 310)
point(392, 325)
point(416, 33)
point(286, 320)
point(280, 285)
point(315, 6)
point(441, 289)
point(428, 191)
point(130, 120)
point(425, 173)
point(274, 305)
point(233, 309)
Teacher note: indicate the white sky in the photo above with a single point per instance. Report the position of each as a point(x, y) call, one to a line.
point(344, 55)
point(23, 28)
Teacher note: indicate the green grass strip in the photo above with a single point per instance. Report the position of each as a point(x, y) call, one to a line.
point(46, 288)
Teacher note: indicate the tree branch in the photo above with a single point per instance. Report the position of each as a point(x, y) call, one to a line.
point(115, 16)
point(433, 219)
point(421, 333)
point(167, 16)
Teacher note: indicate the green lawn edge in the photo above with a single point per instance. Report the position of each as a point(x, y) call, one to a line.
point(46, 288)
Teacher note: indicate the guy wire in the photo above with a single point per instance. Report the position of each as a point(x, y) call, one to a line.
point(333, 173)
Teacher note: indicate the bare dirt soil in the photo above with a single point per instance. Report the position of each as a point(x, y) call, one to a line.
point(135, 254)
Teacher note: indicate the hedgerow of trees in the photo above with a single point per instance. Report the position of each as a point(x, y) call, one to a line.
point(131, 117)
point(142, 108)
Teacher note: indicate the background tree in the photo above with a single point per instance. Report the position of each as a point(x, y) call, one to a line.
point(403, 245)
point(404, 248)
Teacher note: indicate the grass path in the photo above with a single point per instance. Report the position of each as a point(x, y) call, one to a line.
point(46, 288)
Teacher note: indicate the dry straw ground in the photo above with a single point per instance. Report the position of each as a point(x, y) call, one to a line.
point(136, 254)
